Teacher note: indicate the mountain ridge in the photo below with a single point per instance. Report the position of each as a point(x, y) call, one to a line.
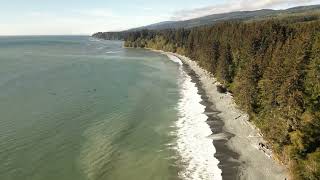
point(229, 16)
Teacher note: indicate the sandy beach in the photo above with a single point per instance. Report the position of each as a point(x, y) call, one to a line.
point(235, 138)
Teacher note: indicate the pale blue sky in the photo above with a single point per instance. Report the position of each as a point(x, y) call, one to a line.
point(42, 17)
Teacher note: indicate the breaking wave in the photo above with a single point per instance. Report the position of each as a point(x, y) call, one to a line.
point(174, 59)
point(194, 143)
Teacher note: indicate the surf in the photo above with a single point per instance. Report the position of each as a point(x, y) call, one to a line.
point(194, 143)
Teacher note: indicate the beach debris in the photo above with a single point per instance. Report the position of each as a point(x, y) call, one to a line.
point(219, 136)
point(221, 89)
point(266, 149)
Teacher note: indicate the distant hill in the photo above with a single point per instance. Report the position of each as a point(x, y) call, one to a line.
point(160, 25)
point(232, 16)
point(295, 14)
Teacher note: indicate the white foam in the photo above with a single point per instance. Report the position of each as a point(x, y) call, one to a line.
point(112, 52)
point(102, 47)
point(193, 143)
point(174, 58)
point(94, 39)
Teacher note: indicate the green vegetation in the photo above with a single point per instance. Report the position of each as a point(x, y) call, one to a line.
point(234, 16)
point(272, 67)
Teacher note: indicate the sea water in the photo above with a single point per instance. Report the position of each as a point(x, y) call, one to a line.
point(77, 108)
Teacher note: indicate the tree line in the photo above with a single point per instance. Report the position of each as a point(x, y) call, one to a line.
point(272, 67)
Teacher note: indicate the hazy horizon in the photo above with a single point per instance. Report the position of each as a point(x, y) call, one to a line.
point(84, 18)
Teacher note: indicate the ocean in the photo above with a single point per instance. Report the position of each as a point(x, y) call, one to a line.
point(78, 108)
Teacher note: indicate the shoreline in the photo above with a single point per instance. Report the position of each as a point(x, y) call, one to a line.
point(235, 138)
point(229, 166)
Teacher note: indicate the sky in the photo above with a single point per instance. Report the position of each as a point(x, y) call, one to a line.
point(84, 17)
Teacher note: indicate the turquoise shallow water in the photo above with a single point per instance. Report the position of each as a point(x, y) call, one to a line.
point(74, 108)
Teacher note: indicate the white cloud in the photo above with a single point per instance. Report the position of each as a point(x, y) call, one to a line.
point(106, 13)
point(74, 22)
point(239, 5)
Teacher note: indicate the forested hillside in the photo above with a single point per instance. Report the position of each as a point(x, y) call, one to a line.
point(273, 69)
point(233, 16)
point(304, 12)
